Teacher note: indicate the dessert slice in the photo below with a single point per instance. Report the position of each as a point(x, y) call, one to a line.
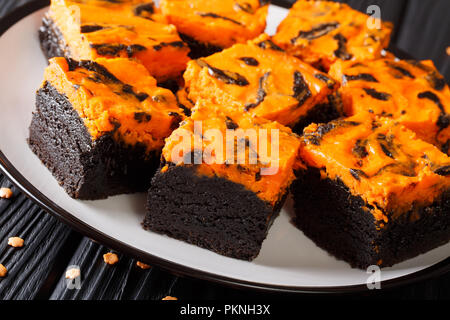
point(258, 78)
point(89, 29)
point(411, 92)
point(210, 26)
point(99, 127)
point(223, 179)
point(371, 192)
point(321, 32)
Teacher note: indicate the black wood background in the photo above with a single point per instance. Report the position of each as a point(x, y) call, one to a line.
point(36, 271)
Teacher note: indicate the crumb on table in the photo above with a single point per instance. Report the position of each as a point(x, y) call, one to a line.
point(3, 271)
point(169, 298)
point(110, 258)
point(15, 242)
point(6, 193)
point(143, 265)
point(73, 273)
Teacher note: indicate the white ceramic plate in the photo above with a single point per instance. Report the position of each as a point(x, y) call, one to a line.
point(288, 259)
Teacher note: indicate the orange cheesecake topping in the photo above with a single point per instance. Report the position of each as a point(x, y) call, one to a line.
point(412, 92)
point(139, 8)
point(127, 29)
point(184, 102)
point(110, 258)
point(118, 97)
point(5, 193)
point(320, 32)
point(247, 150)
point(379, 160)
point(220, 23)
point(260, 79)
point(3, 271)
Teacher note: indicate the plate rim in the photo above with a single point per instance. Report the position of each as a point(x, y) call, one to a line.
point(175, 268)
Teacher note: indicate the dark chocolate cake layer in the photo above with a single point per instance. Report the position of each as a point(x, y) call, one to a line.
point(86, 169)
point(199, 49)
point(213, 213)
point(340, 223)
point(52, 40)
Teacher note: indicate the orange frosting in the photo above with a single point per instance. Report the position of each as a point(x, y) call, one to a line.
point(260, 79)
point(220, 23)
point(412, 92)
point(320, 32)
point(118, 97)
point(380, 161)
point(95, 28)
point(249, 173)
point(183, 99)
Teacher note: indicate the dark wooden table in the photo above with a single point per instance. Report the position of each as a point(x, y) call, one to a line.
point(37, 271)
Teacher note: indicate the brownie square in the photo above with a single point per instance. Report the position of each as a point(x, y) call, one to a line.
point(370, 192)
point(260, 79)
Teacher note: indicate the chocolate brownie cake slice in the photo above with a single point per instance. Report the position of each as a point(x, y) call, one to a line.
point(99, 127)
point(184, 102)
point(321, 32)
point(411, 92)
point(371, 192)
point(260, 79)
point(91, 29)
point(223, 179)
point(210, 26)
